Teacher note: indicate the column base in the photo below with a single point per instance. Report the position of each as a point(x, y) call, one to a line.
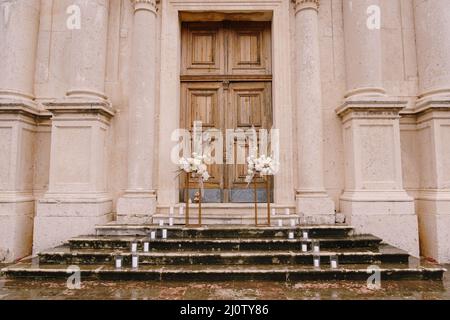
point(16, 227)
point(434, 220)
point(318, 205)
point(389, 215)
point(57, 220)
point(136, 207)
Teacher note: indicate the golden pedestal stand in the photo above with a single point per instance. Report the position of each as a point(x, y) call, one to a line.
point(187, 204)
point(267, 178)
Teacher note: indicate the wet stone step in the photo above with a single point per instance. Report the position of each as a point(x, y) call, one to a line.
point(225, 244)
point(224, 232)
point(65, 255)
point(229, 273)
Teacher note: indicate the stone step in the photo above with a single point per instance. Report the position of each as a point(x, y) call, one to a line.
point(242, 219)
point(226, 210)
point(225, 231)
point(220, 244)
point(65, 255)
point(411, 271)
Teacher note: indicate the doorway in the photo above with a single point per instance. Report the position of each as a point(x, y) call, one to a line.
point(226, 84)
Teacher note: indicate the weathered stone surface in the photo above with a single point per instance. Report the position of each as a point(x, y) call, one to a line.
point(228, 253)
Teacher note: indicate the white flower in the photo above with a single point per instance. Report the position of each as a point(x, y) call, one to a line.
point(205, 176)
point(263, 165)
point(196, 165)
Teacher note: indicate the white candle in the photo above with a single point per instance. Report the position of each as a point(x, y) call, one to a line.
point(287, 211)
point(333, 264)
point(118, 262)
point(134, 247)
point(292, 222)
point(291, 235)
point(305, 234)
point(181, 210)
point(161, 223)
point(153, 235)
point(164, 233)
point(280, 222)
point(170, 221)
point(146, 246)
point(316, 262)
point(171, 210)
point(134, 261)
point(304, 247)
point(274, 211)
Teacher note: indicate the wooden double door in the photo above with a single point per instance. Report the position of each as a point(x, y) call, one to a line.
point(226, 84)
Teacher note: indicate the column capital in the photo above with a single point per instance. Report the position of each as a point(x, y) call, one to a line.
point(306, 4)
point(147, 5)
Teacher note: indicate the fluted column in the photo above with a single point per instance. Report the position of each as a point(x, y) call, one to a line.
point(374, 200)
point(139, 201)
point(432, 25)
point(311, 196)
point(19, 25)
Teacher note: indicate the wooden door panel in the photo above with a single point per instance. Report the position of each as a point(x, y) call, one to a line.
point(202, 49)
point(226, 84)
point(204, 101)
point(249, 106)
point(249, 48)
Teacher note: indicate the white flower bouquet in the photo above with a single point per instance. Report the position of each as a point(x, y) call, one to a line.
point(196, 165)
point(265, 166)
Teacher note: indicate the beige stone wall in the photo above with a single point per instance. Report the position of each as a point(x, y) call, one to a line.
point(400, 72)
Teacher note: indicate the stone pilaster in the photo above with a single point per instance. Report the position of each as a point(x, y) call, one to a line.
point(139, 201)
point(19, 24)
point(374, 199)
point(432, 22)
point(77, 198)
point(311, 197)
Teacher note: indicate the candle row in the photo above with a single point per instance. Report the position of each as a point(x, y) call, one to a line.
point(118, 261)
point(293, 222)
point(291, 234)
point(287, 211)
point(334, 262)
point(315, 246)
point(161, 222)
point(180, 209)
point(146, 244)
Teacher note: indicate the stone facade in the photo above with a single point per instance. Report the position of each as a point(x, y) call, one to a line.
point(90, 94)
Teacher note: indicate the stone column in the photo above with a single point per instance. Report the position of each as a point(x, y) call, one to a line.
point(18, 41)
point(77, 197)
point(432, 22)
point(139, 200)
point(362, 50)
point(88, 51)
point(19, 25)
point(374, 199)
point(311, 197)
